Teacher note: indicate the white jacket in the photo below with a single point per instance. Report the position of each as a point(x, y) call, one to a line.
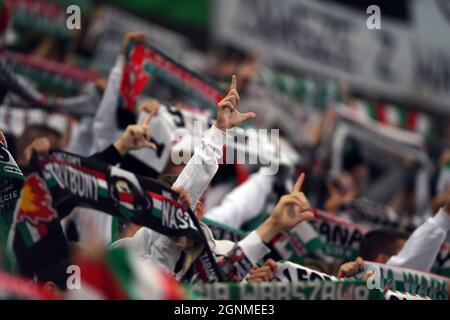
point(95, 134)
point(104, 133)
point(422, 247)
point(195, 177)
point(244, 202)
point(105, 129)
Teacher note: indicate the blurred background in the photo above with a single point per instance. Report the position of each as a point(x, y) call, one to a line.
point(361, 100)
point(367, 109)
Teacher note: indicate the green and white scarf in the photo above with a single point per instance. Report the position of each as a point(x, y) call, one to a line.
point(62, 181)
point(342, 238)
point(405, 279)
point(442, 263)
point(144, 62)
point(317, 290)
point(11, 181)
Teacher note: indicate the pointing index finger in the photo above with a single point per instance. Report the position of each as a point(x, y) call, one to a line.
point(149, 117)
point(233, 82)
point(299, 183)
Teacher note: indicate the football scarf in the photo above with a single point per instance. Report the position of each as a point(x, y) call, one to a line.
point(144, 61)
point(46, 17)
point(221, 231)
point(11, 180)
point(392, 116)
point(316, 290)
point(342, 238)
point(293, 272)
point(397, 295)
point(234, 266)
point(169, 126)
point(293, 245)
point(376, 215)
point(85, 104)
point(384, 138)
point(289, 272)
point(306, 91)
point(442, 263)
point(62, 181)
point(298, 242)
point(405, 279)
point(48, 74)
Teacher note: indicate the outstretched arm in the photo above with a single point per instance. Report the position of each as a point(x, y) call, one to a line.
point(422, 247)
point(203, 165)
point(290, 210)
point(105, 129)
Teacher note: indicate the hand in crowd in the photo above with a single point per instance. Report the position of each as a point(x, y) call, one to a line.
point(264, 273)
point(136, 136)
point(40, 146)
point(199, 210)
point(290, 210)
point(351, 268)
point(337, 198)
point(132, 36)
point(227, 115)
point(149, 106)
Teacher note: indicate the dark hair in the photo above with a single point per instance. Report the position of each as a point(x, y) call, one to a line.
point(57, 272)
point(352, 155)
point(380, 241)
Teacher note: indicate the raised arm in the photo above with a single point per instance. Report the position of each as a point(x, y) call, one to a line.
point(422, 247)
point(290, 210)
point(105, 129)
point(203, 165)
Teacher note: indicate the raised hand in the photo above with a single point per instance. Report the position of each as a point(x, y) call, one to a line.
point(184, 196)
point(336, 198)
point(136, 136)
point(227, 115)
point(293, 208)
point(351, 268)
point(149, 106)
point(264, 273)
point(290, 210)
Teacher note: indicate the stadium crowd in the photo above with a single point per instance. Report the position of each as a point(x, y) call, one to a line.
point(109, 191)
